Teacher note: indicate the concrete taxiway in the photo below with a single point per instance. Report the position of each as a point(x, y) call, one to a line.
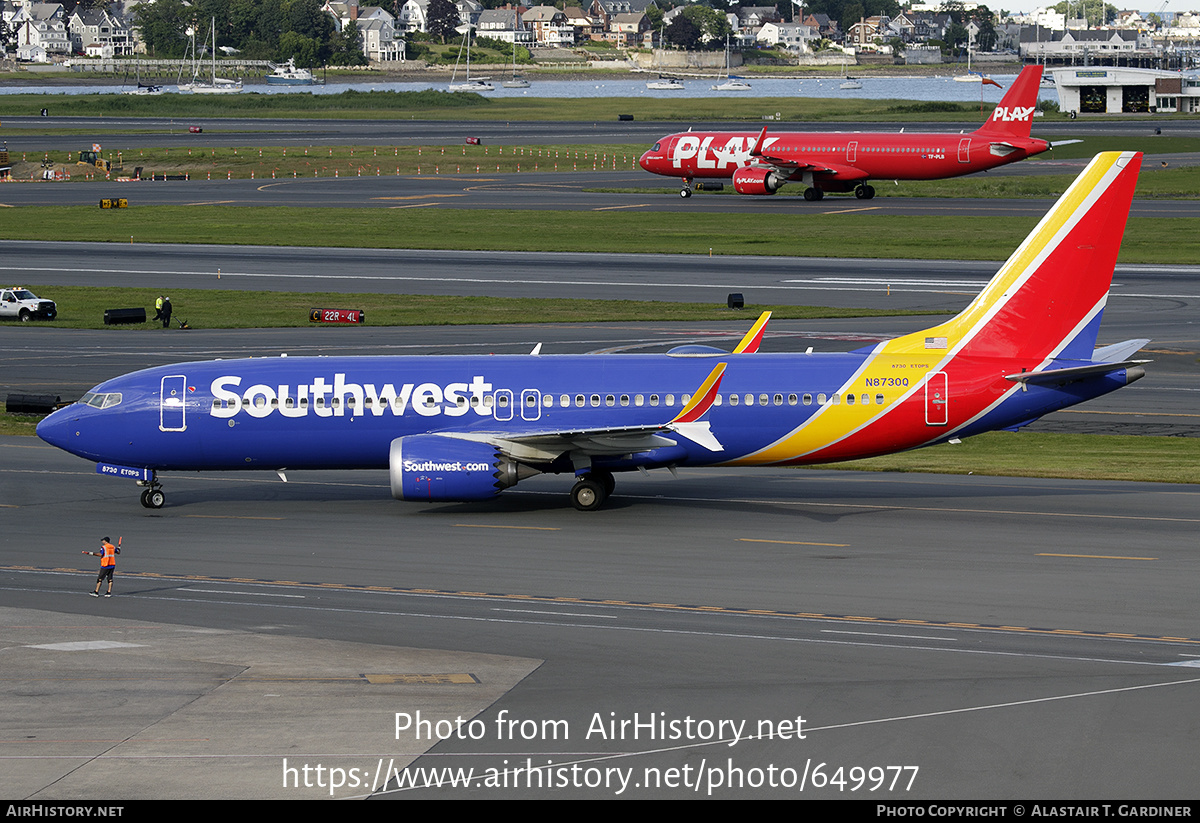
point(731, 633)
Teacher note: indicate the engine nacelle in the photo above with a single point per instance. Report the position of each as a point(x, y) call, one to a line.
point(435, 467)
point(752, 180)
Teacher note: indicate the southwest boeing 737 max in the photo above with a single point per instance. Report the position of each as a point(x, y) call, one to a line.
point(467, 427)
point(844, 161)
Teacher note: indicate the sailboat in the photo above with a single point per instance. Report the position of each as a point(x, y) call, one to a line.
point(849, 83)
point(143, 88)
point(517, 81)
point(218, 85)
point(479, 83)
point(731, 83)
point(970, 76)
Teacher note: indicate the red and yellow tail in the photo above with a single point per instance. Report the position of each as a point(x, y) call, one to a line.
point(1043, 305)
point(1049, 295)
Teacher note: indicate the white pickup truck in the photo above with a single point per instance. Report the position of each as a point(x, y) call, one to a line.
point(24, 305)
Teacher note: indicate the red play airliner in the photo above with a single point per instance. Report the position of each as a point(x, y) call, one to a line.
point(845, 161)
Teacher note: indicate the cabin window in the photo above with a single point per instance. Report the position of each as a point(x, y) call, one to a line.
point(564, 400)
point(866, 399)
point(595, 401)
point(579, 401)
point(836, 399)
point(685, 399)
point(717, 400)
point(488, 401)
point(609, 400)
point(807, 399)
point(849, 400)
point(821, 399)
point(669, 400)
point(638, 400)
point(624, 400)
point(793, 399)
point(502, 400)
point(778, 399)
point(763, 400)
point(879, 400)
point(654, 400)
point(548, 401)
point(733, 399)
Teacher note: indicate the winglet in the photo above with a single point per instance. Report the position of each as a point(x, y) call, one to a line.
point(703, 399)
point(753, 338)
point(758, 144)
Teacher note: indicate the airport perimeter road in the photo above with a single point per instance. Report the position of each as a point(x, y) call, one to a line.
point(25, 133)
point(453, 185)
point(948, 638)
point(933, 285)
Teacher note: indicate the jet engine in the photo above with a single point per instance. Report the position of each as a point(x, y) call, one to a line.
point(752, 180)
point(436, 467)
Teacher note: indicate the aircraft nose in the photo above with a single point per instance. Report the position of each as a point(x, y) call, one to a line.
point(56, 428)
point(645, 161)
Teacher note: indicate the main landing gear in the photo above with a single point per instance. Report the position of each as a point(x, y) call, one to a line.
point(591, 490)
point(864, 192)
point(812, 193)
point(152, 495)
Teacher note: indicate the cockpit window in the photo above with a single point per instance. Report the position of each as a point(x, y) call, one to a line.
point(656, 147)
point(101, 400)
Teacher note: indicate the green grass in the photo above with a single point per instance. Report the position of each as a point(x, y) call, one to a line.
point(1050, 454)
point(438, 105)
point(436, 227)
point(202, 162)
point(24, 425)
point(1154, 182)
point(82, 307)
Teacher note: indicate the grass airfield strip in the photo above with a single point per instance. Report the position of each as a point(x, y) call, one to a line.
point(436, 227)
point(441, 106)
point(82, 307)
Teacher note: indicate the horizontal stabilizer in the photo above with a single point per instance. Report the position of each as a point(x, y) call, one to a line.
point(1068, 375)
point(1119, 351)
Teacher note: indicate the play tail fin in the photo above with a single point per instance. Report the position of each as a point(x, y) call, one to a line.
point(1046, 300)
point(1013, 118)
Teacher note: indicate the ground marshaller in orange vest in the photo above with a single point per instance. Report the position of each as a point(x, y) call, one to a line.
point(108, 564)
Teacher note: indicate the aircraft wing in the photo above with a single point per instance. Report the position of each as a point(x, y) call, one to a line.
point(792, 166)
point(580, 444)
